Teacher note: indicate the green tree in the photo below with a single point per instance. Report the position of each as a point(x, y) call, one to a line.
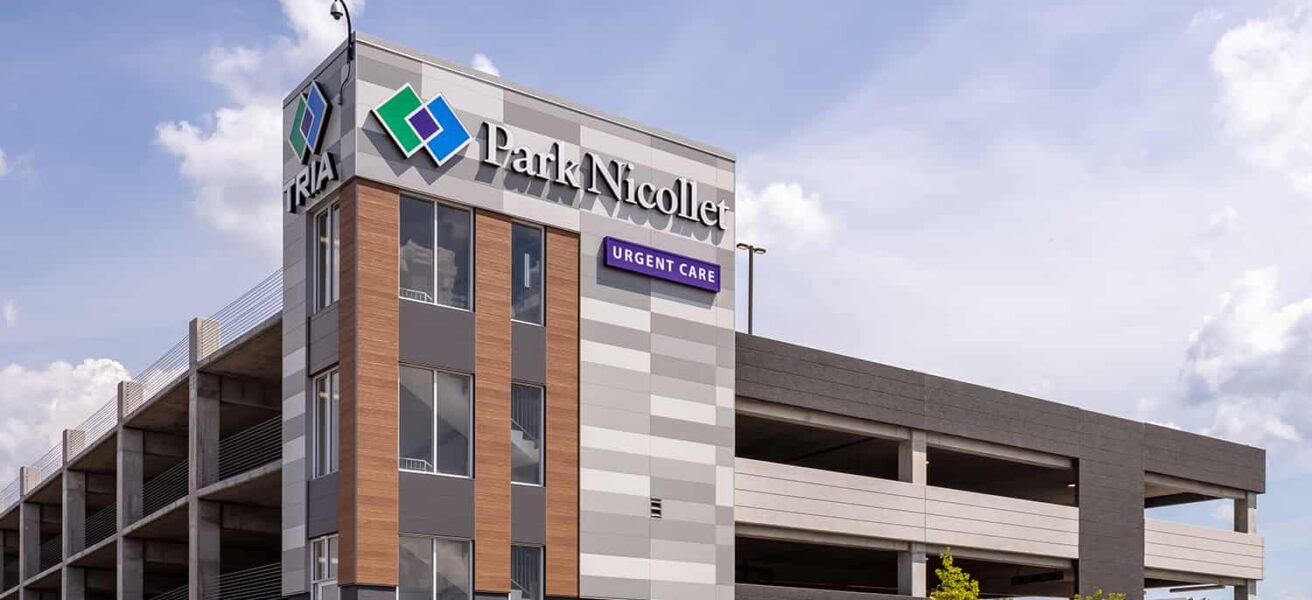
point(954, 583)
point(1099, 596)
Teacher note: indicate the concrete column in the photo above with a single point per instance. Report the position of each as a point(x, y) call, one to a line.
point(203, 336)
point(204, 545)
point(130, 564)
point(130, 395)
point(75, 512)
point(913, 459)
point(131, 471)
point(204, 429)
point(29, 540)
point(28, 478)
point(74, 441)
point(911, 572)
point(1247, 591)
point(74, 583)
point(1246, 513)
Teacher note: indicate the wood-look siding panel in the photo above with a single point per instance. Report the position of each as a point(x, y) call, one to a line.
point(492, 359)
point(562, 423)
point(346, 467)
point(369, 357)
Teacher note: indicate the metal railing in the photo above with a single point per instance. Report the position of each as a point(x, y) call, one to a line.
point(254, 447)
point(245, 313)
point(177, 593)
point(49, 464)
point(100, 525)
point(10, 494)
point(256, 583)
point(162, 372)
point(100, 422)
point(52, 552)
point(164, 488)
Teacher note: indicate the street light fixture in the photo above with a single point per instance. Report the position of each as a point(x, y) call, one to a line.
point(752, 251)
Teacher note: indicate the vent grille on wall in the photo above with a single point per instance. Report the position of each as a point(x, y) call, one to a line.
point(655, 508)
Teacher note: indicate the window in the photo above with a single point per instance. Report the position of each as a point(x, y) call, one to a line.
point(525, 573)
point(435, 253)
point(526, 274)
point(327, 256)
point(324, 413)
point(435, 421)
point(433, 569)
point(526, 434)
point(323, 570)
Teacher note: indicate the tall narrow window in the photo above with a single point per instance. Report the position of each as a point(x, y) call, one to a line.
point(435, 421)
point(526, 274)
point(323, 571)
point(435, 253)
point(328, 252)
point(526, 434)
point(324, 415)
point(433, 569)
point(525, 573)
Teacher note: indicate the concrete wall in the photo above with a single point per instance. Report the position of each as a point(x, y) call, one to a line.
point(1112, 453)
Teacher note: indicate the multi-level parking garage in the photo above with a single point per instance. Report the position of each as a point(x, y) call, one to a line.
point(499, 361)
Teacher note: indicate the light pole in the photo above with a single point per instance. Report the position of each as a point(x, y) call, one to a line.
point(752, 251)
point(339, 9)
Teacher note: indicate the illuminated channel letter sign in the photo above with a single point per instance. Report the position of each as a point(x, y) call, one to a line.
point(660, 264)
point(413, 124)
point(305, 136)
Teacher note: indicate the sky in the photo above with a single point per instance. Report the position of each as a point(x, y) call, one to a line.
point(1100, 203)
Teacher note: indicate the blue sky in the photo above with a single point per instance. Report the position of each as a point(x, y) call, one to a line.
point(1100, 203)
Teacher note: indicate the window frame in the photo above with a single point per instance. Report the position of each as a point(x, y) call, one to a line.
point(542, 435)
point(473, 260)
point(332, 378)
point(332, 216)
point(542, 306)
point(315, 544)
point(469, 460)
point(542, 569)
point(432, 552)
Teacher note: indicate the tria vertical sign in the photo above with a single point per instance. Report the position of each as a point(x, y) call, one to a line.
point(305, 137)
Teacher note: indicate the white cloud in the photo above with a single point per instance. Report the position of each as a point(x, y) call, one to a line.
point(482, 63)
point(10, 313)
point(782, 214)
point(235, 163)
point(1250, 364)
point(36, 405)
point(1220, 225)
point(4, 163)
point(1266, 90)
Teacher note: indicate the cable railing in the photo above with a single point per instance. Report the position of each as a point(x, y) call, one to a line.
point(256, 583)
point(162, 372)
point(164, 488)
point(49, 464)
point(100, 422)
point(100, 525)
point(10, 494)
point(254, 447)
point(250, 309)
point(177, 593)
point(52, 552)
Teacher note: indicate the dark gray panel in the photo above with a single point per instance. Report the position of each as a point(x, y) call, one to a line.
point(745, 591)
point(323, 339)
point(367, 592)
point(436, 336)
point(528, 514)
point(436, 505)
point(528, 353)
point(321, 506)
point(491, 595)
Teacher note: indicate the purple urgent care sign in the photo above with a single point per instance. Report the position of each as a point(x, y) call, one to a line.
point(661, 264)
